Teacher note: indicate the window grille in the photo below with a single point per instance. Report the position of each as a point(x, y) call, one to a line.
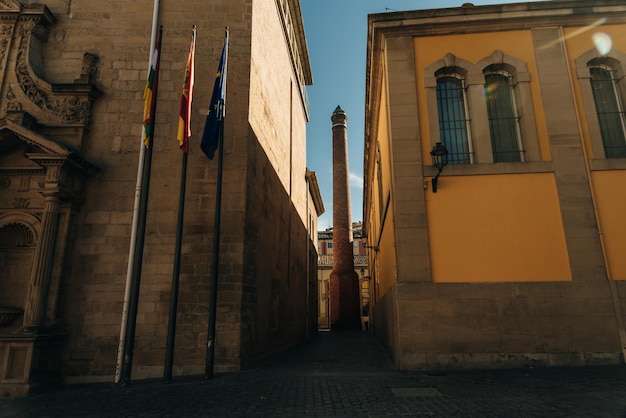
point(610, 109)
point(453, 121)
point(503, 118)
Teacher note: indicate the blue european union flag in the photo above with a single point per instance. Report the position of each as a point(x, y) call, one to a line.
point(215, 115)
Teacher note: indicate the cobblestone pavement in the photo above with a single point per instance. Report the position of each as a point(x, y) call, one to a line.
point(344, 374)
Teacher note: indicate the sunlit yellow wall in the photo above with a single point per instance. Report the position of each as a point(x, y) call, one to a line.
point(387, 255)
point(372, 200)
point(473, 48)
point(381, 225)
point(373, 223)
point(496, 228)
point(383, 140)
point(577, 42)
point(609, 187)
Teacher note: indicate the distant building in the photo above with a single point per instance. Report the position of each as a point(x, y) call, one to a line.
point(325, 266)
point(517, 259)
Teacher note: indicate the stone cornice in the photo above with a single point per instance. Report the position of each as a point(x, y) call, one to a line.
point(21, 170)
point(32, 138)
point(9, 5)
point(314, 189)
point(50, 150)
point(65, 175)
point(296, 15)
point(503, 17)
point(73, 161)
point(37, 13)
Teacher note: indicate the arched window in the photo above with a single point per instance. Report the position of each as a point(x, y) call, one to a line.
point(603, 92)
point(454, 129)
point(609, 103)
point(503, 118)
point(482, 112)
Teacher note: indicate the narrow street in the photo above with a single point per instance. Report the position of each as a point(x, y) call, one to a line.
point(344, 374)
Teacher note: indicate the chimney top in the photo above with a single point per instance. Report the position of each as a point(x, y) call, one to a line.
point(339, 115)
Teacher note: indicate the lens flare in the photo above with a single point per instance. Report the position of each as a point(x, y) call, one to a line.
point(603, 42)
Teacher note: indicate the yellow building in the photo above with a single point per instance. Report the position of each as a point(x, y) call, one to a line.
point(516, 258)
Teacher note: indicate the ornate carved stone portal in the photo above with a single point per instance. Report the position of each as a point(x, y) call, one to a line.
point(42, 180)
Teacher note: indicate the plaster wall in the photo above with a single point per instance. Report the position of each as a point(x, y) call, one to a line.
point(496, 228)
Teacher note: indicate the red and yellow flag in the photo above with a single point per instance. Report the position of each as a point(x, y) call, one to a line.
point(184, 118)
point(149, 93)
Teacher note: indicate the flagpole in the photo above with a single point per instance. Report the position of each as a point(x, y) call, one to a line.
point(171, 330)
point(133, 302)
point(210, 354)
point(133, 231)
point(184, 132)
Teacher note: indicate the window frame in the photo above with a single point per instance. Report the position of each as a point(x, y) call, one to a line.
point(450, 64)
point(615, 60)
point(466, 141)
point(514, 115)
point(617, 97)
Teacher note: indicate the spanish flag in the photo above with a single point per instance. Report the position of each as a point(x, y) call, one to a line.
point(184, 118)
point(150, 93)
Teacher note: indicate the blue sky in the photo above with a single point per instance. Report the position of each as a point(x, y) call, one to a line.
point(336, 32)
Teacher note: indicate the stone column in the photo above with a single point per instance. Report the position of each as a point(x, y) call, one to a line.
point(37, 292)
point(344, 281)
point(576, 203)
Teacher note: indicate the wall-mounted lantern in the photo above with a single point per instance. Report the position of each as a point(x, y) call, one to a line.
point(364, 241)
point(439, 153)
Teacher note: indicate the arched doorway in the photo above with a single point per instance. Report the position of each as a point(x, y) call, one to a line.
point(18, 238)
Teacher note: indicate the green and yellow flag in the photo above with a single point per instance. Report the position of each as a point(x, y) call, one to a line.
point(149, 93)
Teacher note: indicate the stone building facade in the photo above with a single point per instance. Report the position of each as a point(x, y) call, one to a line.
point(72, 80)
point(517, 258)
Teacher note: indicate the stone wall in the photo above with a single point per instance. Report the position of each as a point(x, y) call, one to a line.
point(383, 322)
point(456, 326)
point(99, 260)
point(97, 256)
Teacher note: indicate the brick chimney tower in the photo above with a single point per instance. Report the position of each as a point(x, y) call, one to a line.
point(344, 281)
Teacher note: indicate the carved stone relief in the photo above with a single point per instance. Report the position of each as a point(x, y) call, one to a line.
point(71, 109)
point(24, 184)
point(38, 122)
point(21, 202)
point(88, 70)
point(12, 105)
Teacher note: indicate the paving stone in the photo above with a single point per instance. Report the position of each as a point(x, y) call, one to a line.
point(344, 374)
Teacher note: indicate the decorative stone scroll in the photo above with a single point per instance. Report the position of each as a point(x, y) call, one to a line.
point(23, 29)
point(69, 109)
